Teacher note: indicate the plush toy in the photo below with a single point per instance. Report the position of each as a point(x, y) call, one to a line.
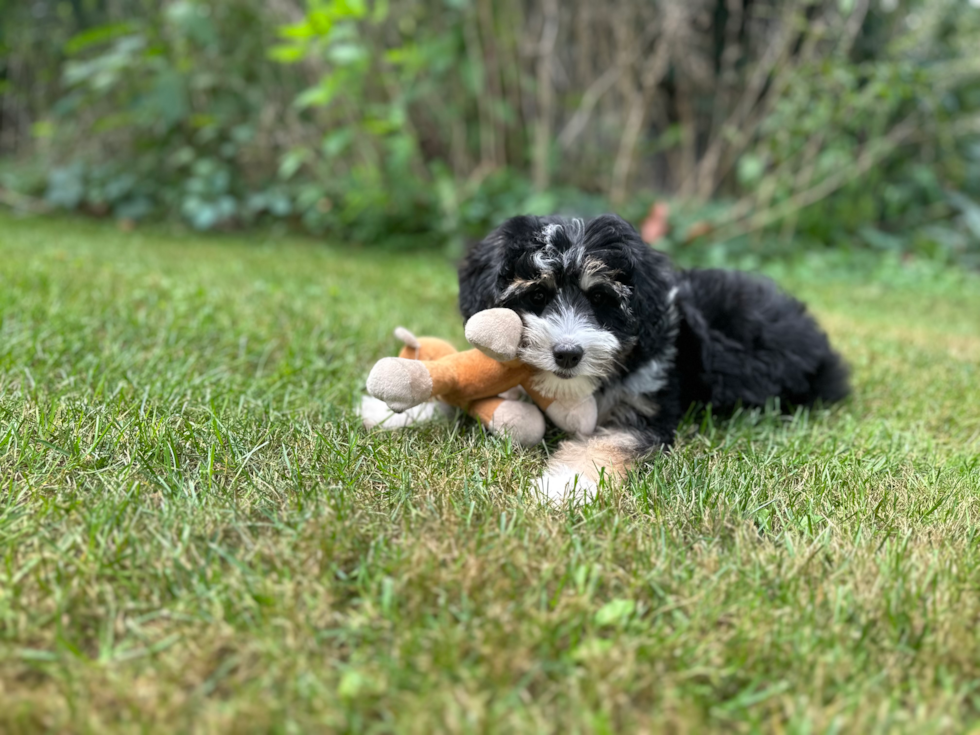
point(477, 381)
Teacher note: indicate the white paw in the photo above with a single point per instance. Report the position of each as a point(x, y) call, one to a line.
point(375, 413)
point(561, 485)
point(575, 417)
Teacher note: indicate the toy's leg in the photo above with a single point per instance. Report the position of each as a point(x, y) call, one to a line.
point(403, 382)
point(574, 415)
point(376, 414)
point(521, 421)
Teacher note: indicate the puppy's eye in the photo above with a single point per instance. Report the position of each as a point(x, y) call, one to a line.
point(539, 297)
point(599, 297)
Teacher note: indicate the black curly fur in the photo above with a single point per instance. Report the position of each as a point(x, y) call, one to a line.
point(743, 341)
point(709, 337)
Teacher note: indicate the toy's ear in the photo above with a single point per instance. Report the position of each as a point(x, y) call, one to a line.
point(490, 261)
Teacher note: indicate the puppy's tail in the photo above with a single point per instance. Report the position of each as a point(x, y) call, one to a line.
point(831, 380)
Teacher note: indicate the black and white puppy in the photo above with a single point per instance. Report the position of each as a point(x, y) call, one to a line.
point(604, 313)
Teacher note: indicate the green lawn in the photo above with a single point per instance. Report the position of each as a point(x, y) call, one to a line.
point(196, 534)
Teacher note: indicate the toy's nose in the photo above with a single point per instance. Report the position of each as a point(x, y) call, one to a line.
point(568, 356)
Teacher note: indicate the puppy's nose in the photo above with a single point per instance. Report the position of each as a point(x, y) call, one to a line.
point(568, 356)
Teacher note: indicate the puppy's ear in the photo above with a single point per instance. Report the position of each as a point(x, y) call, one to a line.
point(478, 276)
point(492, 260)
point(654, 294)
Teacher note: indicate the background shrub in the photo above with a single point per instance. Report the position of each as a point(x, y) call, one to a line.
point(771, 125)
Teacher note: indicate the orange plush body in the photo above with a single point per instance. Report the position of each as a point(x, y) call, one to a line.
point(429, 367)
point(471, 380)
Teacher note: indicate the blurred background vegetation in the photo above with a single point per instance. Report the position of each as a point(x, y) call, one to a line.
point(769, 127)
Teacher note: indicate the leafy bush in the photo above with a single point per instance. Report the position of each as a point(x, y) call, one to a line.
point(166, 113)
point(773, 126)
point(884, 151)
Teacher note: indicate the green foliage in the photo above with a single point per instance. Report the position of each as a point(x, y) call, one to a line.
point(887, 149)
point(165, 112)
point(422, 123)
point(181, 112)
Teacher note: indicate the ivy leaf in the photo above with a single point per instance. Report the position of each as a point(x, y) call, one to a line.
point(292, 162)
point(345, 54)
point(96, 36)
point(750, 169)
point(319, 96)
point(168, 97)
point(286, 53)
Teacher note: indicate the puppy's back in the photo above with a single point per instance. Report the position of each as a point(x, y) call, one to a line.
point(743, 341)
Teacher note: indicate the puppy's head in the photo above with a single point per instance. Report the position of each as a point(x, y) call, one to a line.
point(593, 297)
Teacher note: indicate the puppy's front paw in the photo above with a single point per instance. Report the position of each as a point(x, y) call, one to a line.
point(560, 485)
point(575, 417)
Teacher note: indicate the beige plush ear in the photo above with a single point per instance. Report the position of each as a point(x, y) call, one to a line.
point(496, 333)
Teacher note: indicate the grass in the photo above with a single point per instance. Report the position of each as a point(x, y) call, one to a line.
point(196, 535)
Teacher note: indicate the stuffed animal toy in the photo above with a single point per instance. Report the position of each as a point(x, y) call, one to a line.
point(477, 381)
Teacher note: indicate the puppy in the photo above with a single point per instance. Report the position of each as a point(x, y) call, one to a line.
point(604, 313)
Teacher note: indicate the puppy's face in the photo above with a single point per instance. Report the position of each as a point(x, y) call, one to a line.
point(575, 285)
